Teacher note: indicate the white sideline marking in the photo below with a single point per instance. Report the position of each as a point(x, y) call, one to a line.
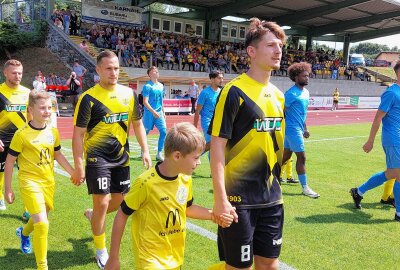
point(192, 227)
point(201, 231)
point(334, 139)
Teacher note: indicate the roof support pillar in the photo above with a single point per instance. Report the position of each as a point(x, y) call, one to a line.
point(346, 49)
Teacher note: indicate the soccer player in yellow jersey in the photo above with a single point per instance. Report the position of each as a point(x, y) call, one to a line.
point(246, 154)
point(36, 145)
point(159, 202)
point(102, 121)
point(13, 112)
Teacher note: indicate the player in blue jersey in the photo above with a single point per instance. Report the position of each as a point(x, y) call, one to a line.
point(206, 104)
point(389, 114)
point(153, 94)
point(296, 104)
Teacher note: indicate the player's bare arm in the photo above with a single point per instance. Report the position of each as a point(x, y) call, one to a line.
point(77, 150)
point(142, 140)
point(120, 220)
point(196, 115)
point(221, 203)
point(60, 158)
point(148, 106)
point(374, 129)
point(8, 171)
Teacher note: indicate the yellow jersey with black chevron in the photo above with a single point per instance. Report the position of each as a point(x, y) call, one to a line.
point(107, 114)
point(159, 219)
point(13, 111)
point(250, 116)
point(35, 151)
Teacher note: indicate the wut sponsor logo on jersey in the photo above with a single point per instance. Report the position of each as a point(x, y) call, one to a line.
point(268, 124)
point(16, 108)
point(115, 118)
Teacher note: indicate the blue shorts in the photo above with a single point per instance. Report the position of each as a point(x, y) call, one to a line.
point(149, 122)
point(204, 127)
point(392, 157)
point(294, 140)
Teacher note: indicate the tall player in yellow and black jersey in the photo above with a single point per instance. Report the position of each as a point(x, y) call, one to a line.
point(36, 145)
point(13, 112)
point(246, 153)
point(102, 121)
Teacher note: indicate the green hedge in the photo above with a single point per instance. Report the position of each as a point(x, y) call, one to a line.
point(13, 38)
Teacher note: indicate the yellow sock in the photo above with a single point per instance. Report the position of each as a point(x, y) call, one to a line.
point(41, 230)
point(217, 266)
point(289, 169)
point(283, 168)
point(387, 189)
point(28, 228)
point(100, 241)
point(1, 185)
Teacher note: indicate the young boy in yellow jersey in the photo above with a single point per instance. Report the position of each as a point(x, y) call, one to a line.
point(36, 145)
point(159, 202)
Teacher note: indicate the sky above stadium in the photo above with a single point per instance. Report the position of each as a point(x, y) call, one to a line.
point(390, 41)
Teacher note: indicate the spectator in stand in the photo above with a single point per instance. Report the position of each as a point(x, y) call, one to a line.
point(58, 23)
point(66, 19)
point(74, 88)
point(79, 71)
point(348, 72)
point(367, 76)
point(39, 84)
point(83, 45)
point(169, 59)
point(52, 82)
point(222, 64)
point(284, 66)
point(73, 23)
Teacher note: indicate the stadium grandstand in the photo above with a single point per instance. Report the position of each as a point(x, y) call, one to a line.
point(188, 41)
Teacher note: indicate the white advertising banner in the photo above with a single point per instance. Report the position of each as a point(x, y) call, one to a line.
point(353, 102)
point(320, 102)
point(111, 13)
point(368, 102)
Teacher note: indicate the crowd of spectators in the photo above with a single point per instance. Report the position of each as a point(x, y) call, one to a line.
point(139, 47)
point(68, 20)
point(136, 47)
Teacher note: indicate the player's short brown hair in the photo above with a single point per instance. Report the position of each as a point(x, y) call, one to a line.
point(214, 74)
point(12, 62)
point(34, 96)
point(258, 29)
point(150, 69)
point(185, 138)
point(104, 54)
point(297, 68)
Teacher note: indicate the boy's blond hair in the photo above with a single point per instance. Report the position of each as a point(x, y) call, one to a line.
point(34, 96)
point(185, 138)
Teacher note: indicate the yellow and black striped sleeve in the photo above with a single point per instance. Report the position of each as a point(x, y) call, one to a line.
point(226, 109)
point(136, 112)
point(83, 112)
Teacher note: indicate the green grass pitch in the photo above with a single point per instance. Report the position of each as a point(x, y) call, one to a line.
point(324, 233)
